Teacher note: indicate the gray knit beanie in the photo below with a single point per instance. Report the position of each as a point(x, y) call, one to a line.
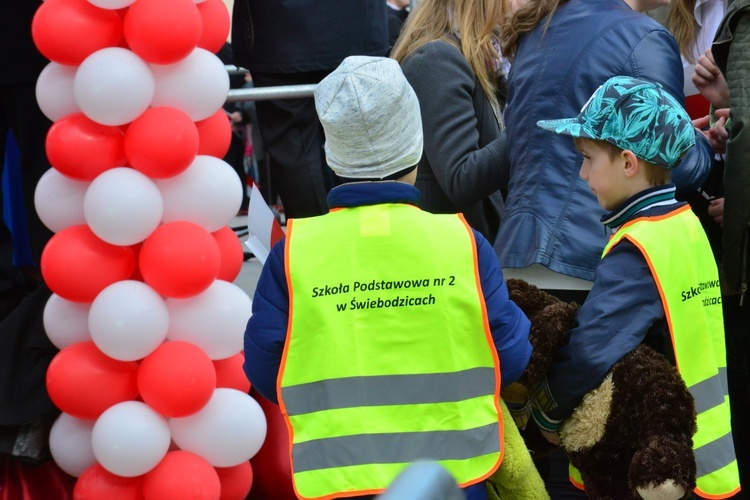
point(371, 119)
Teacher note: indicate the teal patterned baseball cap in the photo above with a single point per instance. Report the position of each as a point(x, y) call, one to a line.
point(633, 114)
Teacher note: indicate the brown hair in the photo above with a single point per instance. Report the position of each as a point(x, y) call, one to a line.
point(681, 23)
point(475, 20)
point(525, 19)
point(655, 175)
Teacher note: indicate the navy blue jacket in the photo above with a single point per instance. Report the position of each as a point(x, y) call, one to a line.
point(551, 216)
point(266, 329)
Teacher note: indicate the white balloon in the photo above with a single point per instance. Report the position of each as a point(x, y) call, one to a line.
point(113, 86)
point(229, 430)
point(122, 206)
point(111, 4)
point(208, 192)
point(54, 91)
point(128, 320)
point(66, 322)
point(70, 444)
point(197, 84)
point(214, 320)
point(129, 439)
point(59, 200)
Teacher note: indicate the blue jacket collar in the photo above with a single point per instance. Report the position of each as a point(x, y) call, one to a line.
point(649, 198)
point(372, 193)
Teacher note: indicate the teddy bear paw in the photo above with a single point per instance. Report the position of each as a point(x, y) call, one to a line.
point(668, 490)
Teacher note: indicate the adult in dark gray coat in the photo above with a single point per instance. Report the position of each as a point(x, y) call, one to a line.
point(731, 50)
point(457, 80)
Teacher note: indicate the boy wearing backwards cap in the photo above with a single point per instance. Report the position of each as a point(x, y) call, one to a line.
point(382, 330)
point(657, 282)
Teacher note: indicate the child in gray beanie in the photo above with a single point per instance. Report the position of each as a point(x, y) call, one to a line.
point(383, 331)
point(371, 119)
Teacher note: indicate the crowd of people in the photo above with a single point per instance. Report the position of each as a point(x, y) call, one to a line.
point(447, 106)
point(571, 216)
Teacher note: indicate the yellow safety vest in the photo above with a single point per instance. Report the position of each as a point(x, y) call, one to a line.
point(389, 357)
point(691, 297)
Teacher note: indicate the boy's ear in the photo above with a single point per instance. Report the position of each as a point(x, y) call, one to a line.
point(631, 163)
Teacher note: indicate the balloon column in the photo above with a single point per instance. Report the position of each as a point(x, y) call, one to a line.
point(144, 311)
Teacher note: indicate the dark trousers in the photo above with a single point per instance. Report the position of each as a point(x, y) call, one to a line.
point(293, 139)
point(737, 331)
point(20, 114)
point(25, 351)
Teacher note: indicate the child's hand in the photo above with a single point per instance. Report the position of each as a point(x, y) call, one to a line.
point(552, 437)
point(716, 210)
point(717, 135)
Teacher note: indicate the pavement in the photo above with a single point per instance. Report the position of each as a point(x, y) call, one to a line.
point(248, 277)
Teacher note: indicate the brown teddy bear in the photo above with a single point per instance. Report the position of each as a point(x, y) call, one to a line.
point(631, 436)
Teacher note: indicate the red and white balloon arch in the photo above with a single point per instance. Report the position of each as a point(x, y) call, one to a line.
point(144, 311)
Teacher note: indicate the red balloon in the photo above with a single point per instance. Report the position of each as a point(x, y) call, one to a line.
point(215, 18)
point(81, 148)
point(162, 31)
point(96, 483)
point(235, 481)
point(215, 133)
point(177, 379)
point(232, 255)
point(230, 374)
point(179, 259)
point(68, 31)
point(77, 265)
point(83, 381)
point(272, 467)
point(182, 474)
point(162, 142)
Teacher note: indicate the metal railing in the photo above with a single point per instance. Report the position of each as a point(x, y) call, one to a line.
point(266, 93)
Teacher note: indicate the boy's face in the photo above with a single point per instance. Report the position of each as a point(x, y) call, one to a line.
point(604, 175)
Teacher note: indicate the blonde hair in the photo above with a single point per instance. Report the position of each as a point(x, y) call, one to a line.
point(681, 23)
point(475, 21)
point(655, 175)
point(525, 19)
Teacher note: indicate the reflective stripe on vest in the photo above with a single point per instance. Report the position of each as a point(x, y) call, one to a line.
point(389, 357)
point(691, 297)
point(575, 477)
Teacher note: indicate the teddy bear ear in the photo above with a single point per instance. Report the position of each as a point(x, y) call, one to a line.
point(529, 298)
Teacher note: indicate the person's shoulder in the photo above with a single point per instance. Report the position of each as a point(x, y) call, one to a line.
point(437, 55)
point(618, 13)
point(631, 29)
point(737, 5)
point(436, 48)
point(596, 24)
point(736, 9)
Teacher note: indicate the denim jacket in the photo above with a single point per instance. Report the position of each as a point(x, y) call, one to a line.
point(551, 216)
